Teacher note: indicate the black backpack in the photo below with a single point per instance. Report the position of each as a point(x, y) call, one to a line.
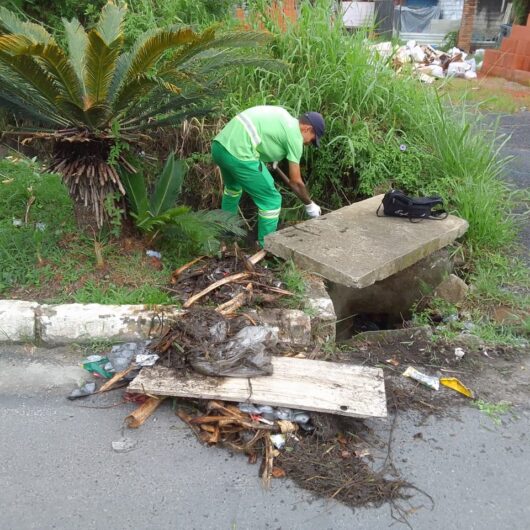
point(396, 204)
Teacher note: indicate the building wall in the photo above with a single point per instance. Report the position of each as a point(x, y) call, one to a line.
point(490, 15)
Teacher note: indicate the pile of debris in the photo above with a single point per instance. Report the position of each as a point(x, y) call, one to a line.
point(230, 281)
point(427, 62)
point(233, 385)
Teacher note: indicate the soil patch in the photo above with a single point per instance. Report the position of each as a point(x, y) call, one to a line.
point(483, 369)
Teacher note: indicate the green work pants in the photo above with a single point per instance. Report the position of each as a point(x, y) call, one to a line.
point(253, 177)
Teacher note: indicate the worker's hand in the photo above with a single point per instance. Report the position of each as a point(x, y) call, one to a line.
point(313, 210)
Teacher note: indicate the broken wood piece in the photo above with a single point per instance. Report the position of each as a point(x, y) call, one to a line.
point(177, 272)
point(272, 288)
point(238, 301)
point(115, 378)
point(252, 260)
point(320, 386)
point(138, 416)
point(215, 285)
point(268, 463)
point(257, 257)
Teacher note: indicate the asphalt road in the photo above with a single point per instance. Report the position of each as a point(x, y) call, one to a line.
point(59, 470)
point(517, 175)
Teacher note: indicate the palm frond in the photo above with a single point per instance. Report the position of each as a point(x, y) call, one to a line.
point(110, 24)
point(140, 86)
point(162, 107)
point(77, 42)
point(10, 23)
point(60, 68)
point(100, 65)
point(204, 227)
point(173, 119)
point(220, 61)
point(32, 73)
point(14, 44)
point(146, 52)
point(227, 41)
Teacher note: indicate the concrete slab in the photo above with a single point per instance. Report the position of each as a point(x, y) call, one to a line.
point(355, 248)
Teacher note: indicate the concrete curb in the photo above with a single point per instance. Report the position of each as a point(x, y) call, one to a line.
point(56, 325)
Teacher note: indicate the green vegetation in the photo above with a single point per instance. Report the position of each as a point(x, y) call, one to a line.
point(495, 411)
point(295, 282)
point(43, 255)
point(156, 212)
point(487, 94)
point(96, 100)
point(383, 129)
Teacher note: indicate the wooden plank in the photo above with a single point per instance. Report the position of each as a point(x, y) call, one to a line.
point(320, 386)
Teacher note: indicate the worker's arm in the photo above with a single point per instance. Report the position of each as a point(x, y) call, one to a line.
point(297, 184)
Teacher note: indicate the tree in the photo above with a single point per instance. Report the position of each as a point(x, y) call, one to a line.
point(94, 99)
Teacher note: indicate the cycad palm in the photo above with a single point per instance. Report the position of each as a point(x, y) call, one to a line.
point(84, 97)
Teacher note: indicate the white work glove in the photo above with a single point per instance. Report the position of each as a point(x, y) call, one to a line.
point(313, 210)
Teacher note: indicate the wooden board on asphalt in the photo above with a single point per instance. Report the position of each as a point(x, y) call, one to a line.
point(334, 388)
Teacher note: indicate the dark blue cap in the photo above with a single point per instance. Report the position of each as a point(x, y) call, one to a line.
point(317, 122)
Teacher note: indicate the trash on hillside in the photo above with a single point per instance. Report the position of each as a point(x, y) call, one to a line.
point(427, 380)
point(459, 353)
point(40, 227)
point(86, 390)
point(427, 62)
point(95, 364)
point(18, 222)
point(457, 385)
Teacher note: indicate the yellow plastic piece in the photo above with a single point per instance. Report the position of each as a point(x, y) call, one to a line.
point(456, 384)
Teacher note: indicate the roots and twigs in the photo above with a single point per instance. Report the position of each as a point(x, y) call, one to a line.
point(338, 470)
point(224, 281)
point(334, 462)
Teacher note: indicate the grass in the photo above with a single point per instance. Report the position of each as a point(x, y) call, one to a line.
point(487, 94)
point(43, 256)
point(383, 130)
point(495, 411)
point(295, 282)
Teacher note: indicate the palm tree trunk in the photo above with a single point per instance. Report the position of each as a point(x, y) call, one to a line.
point(85, 218)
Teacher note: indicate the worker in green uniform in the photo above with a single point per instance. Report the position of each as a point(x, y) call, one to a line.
point(258, 136)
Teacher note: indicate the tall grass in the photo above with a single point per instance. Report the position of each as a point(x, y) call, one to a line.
point(383, 129)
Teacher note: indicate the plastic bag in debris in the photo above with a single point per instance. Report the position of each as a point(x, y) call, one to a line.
point(246, 354)
point(279, 413)
point(121, 355)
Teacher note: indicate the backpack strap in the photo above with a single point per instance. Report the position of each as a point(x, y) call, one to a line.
point(438, 215)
